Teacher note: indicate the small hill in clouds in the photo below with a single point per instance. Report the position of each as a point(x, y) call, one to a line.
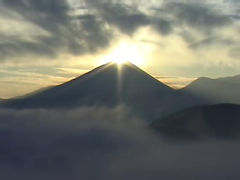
point(221, 90)
point(2, 100)
point(233, 79)
point(205, 122)
point(110, 85)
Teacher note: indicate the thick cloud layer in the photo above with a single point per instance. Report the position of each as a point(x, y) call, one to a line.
point(86, 26)
point(75, 34)
point(100, 143)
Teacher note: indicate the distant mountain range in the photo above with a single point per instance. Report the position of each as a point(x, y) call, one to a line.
point(221, 90)
point(112, 84)
point(220, 121)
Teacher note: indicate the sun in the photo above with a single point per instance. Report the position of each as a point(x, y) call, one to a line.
point(124, 52)
point(119, 61)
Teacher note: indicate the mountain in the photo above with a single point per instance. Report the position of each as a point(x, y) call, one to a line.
point(220, 121)
point(111, 85)
point(221, 90)
point(233, 79)
point(2, 100)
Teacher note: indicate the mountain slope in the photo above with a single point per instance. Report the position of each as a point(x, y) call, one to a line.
point(111, 85)
point(204, 122)
point(233, 79)
point(222, 90)
point(3, 100)
point(104, 85)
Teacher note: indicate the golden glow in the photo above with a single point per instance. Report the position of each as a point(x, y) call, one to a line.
point(119, 61)
point(124, 52)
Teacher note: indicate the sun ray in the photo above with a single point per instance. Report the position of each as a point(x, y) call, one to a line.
point(119, 61)
point(124, 52)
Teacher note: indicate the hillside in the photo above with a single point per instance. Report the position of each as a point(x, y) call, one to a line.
point(204, 122)
point(221, 90)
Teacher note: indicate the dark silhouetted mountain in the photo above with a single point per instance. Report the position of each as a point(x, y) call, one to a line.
point(2, 100)
point(233, 79)
point(222, 90)
point(110, 85)
point(204, 122)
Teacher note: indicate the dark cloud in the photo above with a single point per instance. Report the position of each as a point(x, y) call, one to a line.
point(162, 26)
point(66, 32)
point(236, 16)
point(129, 23)
point(233, 2)
point(17, 47)
point(100, 143)
point(127, 18)
point(93, 28)
point(197, 16)
point(210, 41)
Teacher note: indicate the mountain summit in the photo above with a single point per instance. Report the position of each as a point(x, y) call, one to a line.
point(109, 85)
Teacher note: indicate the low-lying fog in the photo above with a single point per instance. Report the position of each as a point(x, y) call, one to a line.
point(104, 144)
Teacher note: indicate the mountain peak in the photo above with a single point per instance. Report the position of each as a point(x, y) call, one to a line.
point(122, 65)
point(110, 85)
point(105, 84)
point(128, 73)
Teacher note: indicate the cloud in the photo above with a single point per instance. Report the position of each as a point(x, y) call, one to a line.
point(162, 26)
point(127, 18)
point(198, 16)
point(101, 143)
point(200, 24)
point(210, 41)
point(66, 33)
point(235, 52)
point(85, 27)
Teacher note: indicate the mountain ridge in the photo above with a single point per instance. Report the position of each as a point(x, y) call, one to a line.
point(220, 90)
point(220, 121)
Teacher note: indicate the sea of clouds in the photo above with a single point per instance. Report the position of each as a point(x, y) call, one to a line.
point(104, 144)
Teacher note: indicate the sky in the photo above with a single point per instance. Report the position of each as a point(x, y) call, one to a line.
point(48, 42)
